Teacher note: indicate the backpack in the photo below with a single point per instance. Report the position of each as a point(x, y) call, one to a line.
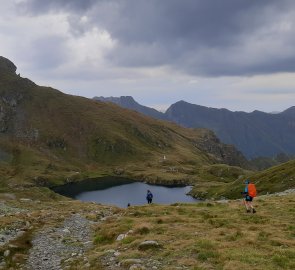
point(149, 195)
point(252, 192)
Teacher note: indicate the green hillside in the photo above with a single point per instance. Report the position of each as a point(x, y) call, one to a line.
point(48, 137)
point(277, 178)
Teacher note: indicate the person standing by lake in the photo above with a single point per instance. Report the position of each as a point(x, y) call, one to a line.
point(149, 197)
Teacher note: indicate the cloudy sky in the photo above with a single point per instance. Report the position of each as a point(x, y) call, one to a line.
point(236, 54)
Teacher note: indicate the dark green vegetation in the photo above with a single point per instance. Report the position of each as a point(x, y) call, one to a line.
point(49, 138)
point(255, 134)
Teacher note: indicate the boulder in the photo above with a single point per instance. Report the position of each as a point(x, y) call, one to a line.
point(137, 267)
point(25, 200)
point(121, 237)
point(6, 253)
point(128, 262)
point(148, 245)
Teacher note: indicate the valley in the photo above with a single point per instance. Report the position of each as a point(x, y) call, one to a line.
point(50, 139)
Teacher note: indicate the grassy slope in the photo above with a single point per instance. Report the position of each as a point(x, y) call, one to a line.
point(198, 236)
point(274, 179)
point(207, 235)
point(52, 137)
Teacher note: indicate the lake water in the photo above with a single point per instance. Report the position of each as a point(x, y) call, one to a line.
point(120, 192)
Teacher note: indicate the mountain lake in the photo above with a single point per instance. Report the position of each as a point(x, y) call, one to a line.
point(121, 191)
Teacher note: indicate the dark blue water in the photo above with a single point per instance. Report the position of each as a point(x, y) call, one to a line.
point(120, 192)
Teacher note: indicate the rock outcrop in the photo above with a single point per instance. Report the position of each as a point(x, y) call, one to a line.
point(225, 153)
point(7, 65)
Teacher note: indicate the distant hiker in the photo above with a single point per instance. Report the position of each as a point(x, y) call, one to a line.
point(249, 193)
point(149, 197)
point(128, 205)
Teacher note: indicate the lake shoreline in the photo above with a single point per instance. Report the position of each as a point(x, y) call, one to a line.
point(123, 191)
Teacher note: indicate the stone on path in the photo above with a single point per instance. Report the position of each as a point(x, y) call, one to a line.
point(128, 262)
point(6, 253)
point(137, 267)
point(121, 237)
point(149, 244)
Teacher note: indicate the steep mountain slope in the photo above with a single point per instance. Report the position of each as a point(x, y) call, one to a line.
point(46, 134)
point(255, 134)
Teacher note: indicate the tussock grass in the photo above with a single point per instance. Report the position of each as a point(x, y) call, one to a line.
point(211, 235)
point(207, 235)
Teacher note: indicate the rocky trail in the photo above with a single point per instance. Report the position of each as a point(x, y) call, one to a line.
point(46, 237)
point(59, 240)
point(54, 246)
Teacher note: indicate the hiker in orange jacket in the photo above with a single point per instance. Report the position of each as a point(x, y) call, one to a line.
point(249, 193)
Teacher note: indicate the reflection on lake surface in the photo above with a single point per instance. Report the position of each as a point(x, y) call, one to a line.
point(120, 192)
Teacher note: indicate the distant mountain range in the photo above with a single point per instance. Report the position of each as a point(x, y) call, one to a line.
point(254, 134)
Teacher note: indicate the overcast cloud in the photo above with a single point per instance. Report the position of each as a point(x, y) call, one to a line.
point(237, 54)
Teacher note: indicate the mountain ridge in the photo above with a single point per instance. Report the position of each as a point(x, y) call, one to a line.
point(255, 134)
point(129, 102)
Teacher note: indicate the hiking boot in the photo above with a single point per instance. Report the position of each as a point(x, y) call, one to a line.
point(253, 211)
point(248, 210)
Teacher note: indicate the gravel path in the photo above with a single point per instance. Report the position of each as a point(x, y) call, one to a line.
point(53, 246)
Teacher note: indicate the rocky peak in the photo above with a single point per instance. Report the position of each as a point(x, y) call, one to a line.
point(123, 100)
point(7, 65)
point(128, 102)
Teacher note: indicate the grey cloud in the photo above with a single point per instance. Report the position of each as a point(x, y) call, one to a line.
point(194, 36)
point(48, 52)
point(43, 6)
point(272, 91)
